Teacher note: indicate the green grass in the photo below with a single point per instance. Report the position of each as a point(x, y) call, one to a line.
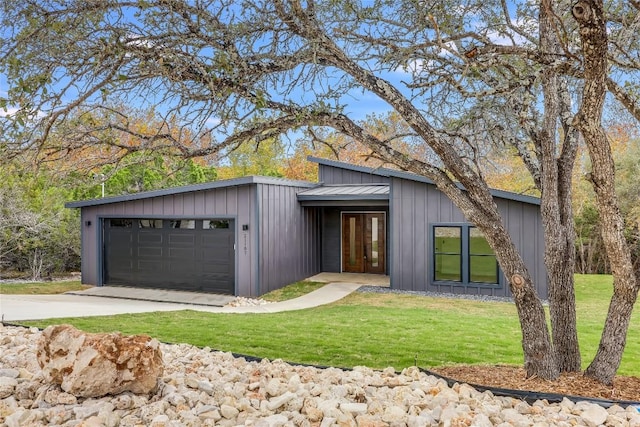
point(376, 330)
point(35, 288)
point(292, 291)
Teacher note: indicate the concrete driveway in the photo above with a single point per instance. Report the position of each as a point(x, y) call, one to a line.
point(14, 308)
point(31, 307)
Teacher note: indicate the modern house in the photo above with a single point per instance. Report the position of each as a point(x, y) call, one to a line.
point(251, 235)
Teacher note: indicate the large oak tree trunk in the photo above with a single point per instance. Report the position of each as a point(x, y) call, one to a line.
point(540, 359)
point(556, 210)
point(476, 203)
point(593, 34)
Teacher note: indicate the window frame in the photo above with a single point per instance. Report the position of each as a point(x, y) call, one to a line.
point(458, 254)
point(465, 258)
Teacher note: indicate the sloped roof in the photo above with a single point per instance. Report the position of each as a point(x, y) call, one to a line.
point(247, 180)
point(392, 173)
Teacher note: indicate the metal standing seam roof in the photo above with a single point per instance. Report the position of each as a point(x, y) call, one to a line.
point(346, 192)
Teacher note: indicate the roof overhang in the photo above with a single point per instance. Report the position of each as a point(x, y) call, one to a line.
point(345, 195)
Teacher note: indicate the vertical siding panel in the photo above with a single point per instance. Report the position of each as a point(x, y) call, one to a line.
point(395, 273)
point(401, 231)
point(286, 239)
point(147, 206)
point(169, 205)
point(231, 200)
point(264, 242)
point(198, 203)
point(209, 202)
point(432, 215)
point(188, 204)
point(408, 232)
point(135, 208)
point(283, 226)
point(178, 204)
point(245, 246)
point(267, 248)
point(332, 175)
point(420, 238)
point(330, 240)
point(157, 206)
point(89, 245)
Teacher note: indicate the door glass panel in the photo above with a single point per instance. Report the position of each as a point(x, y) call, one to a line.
point(209, 224)
point(352, 241)
point(374, 242)
point(124, 223)
point(150, 223)
point(183, 223)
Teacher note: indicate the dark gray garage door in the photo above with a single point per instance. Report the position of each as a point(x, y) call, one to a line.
point(188, 255)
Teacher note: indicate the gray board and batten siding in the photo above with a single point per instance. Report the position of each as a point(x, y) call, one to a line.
point(283, 231)
point(275, 238)
point(415, 207)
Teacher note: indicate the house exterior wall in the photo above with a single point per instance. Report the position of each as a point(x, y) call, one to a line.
point(277, 240)
point(415, 207)
point(235, 202)
point(331, 241)
point(329, 175)
point(288, 238)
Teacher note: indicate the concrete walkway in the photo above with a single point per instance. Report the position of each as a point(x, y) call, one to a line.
point(107, 300)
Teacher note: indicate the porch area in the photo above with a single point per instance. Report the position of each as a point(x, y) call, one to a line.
point(359, 278)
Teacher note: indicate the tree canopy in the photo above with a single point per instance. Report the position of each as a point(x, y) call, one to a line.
point(459, 75)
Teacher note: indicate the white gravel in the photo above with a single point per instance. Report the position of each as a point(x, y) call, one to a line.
point(387, 290)
point(202, 387)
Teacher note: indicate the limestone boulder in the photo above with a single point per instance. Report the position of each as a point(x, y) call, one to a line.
point(93, 365)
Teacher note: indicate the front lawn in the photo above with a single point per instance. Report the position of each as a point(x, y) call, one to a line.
point(40, 288)
point(376, 330)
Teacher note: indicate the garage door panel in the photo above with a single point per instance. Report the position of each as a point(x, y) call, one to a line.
point(182, 253)
point(150, 237)
point(181, 268)
point(216, 255)
point(121, 268)
point(154, 252)
point(217, 269)
point(217, 238)
point(187, 258)
point(122, 247)
point(215, 285)
point(182, 238)
point(149, 265)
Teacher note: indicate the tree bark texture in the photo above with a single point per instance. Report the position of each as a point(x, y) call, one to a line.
point(590, 16)
point(476, 203)
point(556, 211)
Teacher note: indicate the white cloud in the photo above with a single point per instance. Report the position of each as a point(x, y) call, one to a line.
point(213, 121)
point(10, 112)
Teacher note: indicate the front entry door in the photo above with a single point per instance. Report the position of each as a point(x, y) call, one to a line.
point(363, 242)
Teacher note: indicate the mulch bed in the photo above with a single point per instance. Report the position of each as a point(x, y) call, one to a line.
point(574, 384)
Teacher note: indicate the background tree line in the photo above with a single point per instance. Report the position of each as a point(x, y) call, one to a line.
point(39, 237)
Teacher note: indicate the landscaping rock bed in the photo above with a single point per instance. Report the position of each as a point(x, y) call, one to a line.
point(203, 387)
